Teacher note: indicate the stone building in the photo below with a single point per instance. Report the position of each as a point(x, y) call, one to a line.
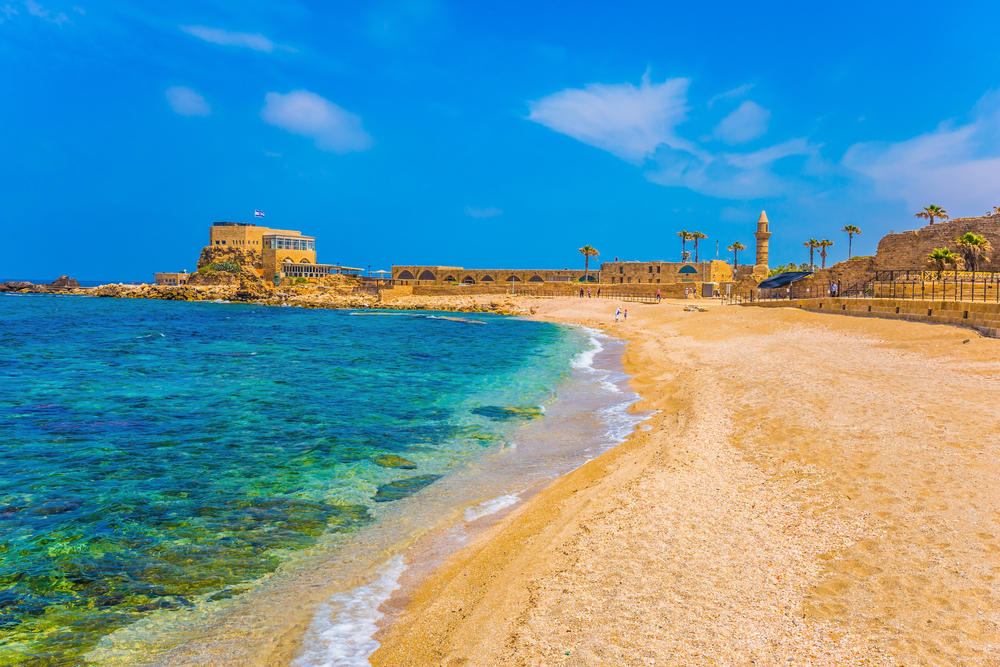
point(171, 278)
point(271, 253)
point(655, 273)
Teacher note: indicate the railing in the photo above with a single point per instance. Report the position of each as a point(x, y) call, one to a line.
point(983, 288)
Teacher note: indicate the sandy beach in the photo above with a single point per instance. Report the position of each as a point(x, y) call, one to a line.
point(814, 490)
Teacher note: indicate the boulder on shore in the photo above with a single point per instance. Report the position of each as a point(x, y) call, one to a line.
point(15, 285)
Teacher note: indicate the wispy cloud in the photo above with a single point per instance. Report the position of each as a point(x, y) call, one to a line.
point(270, 154)
point(640, 124)
point(490, 212)
point(7, 11)
point(747, 121)
point(255, 41)
point(733, 94)
point(957, 163)
point(309, 115)
point(79, 10)
point(623, 119)
point(187, 102)
point(36, 9)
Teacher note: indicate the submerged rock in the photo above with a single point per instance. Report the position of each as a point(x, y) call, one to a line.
point(501, 414)
point(403, 488)
point(393, 461)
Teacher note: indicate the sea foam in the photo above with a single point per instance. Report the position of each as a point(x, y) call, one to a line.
point(341, 634)
point(491, 506)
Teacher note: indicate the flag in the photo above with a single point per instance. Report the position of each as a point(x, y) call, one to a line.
point(257, 213)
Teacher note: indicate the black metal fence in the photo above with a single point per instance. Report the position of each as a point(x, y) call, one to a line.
point(977, 288)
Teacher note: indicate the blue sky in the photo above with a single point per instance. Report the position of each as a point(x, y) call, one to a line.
point(485, 134)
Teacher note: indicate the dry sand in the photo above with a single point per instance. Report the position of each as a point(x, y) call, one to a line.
point(816, 490)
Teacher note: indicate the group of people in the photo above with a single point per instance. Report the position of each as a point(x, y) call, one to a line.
point(588, 292)
point(618, 314)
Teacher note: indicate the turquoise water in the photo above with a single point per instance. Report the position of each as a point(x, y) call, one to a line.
point(159, 455)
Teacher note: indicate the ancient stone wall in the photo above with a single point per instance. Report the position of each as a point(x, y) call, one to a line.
point(908, 251)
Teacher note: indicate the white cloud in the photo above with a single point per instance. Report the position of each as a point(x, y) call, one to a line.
point(954, 165)
point(79, 10)
point(255, 41)
point(748, 121)
point(732, 175)
point(36, 9)
point(735, 93)
point(309, 115)
point(7, 11)
point(490, 212)
point(270, 154)
point(187, 102)
point(625, 120)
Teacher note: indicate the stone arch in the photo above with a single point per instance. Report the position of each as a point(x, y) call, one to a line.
point(450, 279)
point(486, 279)
point(536, 279)
point(427, 275)
point(404, 275)
point(468, 280)
point(688, 269)
point(304, 261)
point(513, 279)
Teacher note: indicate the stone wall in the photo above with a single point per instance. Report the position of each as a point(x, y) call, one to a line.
point(243, 235)
point(908, 251)
point(983, 317)
point(419, 275)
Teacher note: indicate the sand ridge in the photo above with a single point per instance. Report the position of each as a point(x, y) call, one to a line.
point(816, 489)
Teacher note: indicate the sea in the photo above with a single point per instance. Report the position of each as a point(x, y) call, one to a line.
point(182, 482)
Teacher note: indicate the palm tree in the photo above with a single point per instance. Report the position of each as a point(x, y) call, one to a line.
point(851, 231)
point(812, 244)
point(995, 211)
point(685, 237)
point(973, 249)
point(588, 251)
point(685, 256)
point(735, 249)
point(941, 257)
point(931, 212)
point(824, 244)
point(697, 236)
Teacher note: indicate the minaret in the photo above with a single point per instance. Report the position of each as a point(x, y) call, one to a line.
point(762, 236)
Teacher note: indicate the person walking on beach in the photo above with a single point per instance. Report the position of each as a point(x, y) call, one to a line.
point(598, 292)
point(626, 315)
point(581, 292)
point(588, 292)
point(617, 313)
point(657, 296)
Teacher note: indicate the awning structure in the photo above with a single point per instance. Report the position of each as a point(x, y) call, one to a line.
point(784, 279)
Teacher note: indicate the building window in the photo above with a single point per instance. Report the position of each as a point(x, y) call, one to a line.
point(650, 269)
point(216, 243)
point(630, 280)
point(621, 269)
point(223, 243)
point(657, 280)
point(657, 270)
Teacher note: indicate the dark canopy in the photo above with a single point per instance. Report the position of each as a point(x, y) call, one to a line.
point(784, 279)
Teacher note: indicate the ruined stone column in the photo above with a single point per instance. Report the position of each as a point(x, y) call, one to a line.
point(762, 236)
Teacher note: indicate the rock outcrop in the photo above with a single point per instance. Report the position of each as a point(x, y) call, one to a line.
point(64, 282)
point(252, 288)
point(15, 286)
point(245, 257)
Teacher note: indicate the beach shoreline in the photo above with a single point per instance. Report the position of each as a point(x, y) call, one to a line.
point(752, 523)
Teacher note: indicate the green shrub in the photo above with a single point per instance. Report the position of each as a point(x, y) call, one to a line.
point(226, 265)
point(300, 281)
point(203, 269)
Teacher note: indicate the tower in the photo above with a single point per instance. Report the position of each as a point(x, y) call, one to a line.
point(762, 236)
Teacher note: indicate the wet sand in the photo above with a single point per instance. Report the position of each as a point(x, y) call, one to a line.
point(815, 490)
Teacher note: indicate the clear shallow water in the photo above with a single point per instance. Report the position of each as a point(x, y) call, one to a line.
point(158, 456)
